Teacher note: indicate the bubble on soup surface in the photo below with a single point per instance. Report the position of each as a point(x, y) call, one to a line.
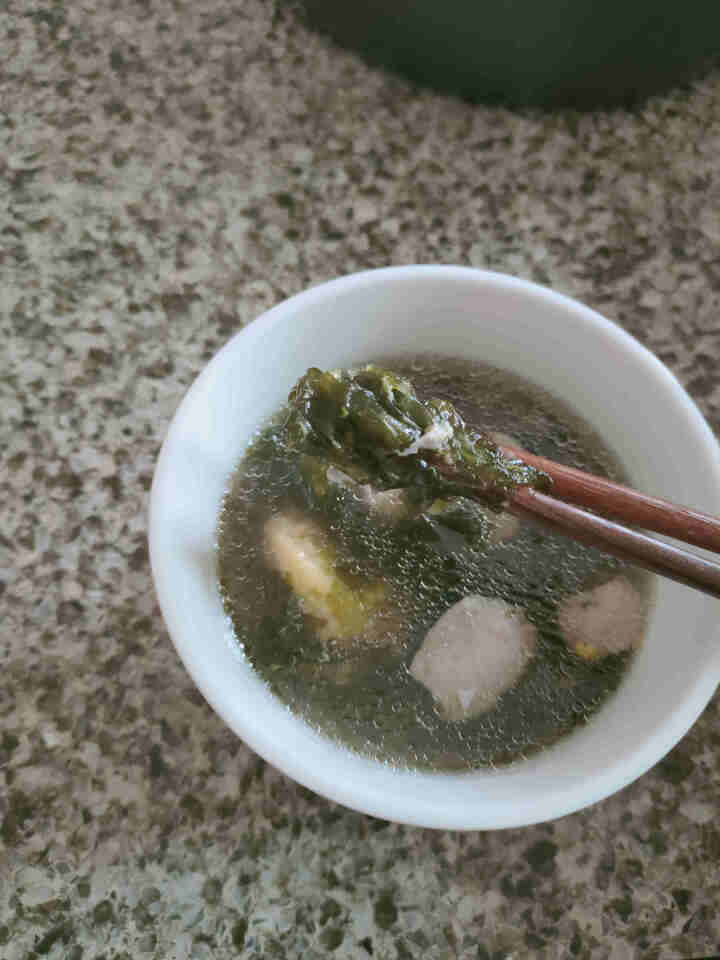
point(604, 620)
point(474, 653)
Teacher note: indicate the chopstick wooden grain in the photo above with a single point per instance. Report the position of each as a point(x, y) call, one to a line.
point(624, 504)
point(619, 541)
point(627, 505)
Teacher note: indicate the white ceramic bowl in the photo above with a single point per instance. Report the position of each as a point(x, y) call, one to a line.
point(618, 386)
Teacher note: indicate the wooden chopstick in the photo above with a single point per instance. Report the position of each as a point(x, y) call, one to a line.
point(571, 486)
point(623, 503)
point(619, 541)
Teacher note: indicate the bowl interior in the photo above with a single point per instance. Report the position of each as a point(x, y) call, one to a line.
point(621, 389)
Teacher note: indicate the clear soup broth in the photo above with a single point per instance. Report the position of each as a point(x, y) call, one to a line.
point(411, 568)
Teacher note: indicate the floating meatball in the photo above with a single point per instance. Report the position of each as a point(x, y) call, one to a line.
point(474, 653)
point(607, 619)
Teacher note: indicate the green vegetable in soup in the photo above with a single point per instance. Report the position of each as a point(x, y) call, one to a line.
point(370, 425)
point(353, 548)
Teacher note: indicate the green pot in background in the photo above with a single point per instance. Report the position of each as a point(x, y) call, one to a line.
point(572, 53)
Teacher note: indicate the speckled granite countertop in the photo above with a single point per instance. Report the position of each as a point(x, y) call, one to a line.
point(168, 170)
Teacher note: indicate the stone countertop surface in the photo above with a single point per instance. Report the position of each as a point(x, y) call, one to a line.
point(168, 171)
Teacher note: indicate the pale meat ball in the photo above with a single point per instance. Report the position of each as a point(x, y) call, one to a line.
point(606, 619)
point(303, 556)
point(297, 548)
point(475, 652)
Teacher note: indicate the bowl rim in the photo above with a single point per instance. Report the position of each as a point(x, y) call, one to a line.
point(373, 800)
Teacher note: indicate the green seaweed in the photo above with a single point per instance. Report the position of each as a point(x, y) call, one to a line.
point(371, 423)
